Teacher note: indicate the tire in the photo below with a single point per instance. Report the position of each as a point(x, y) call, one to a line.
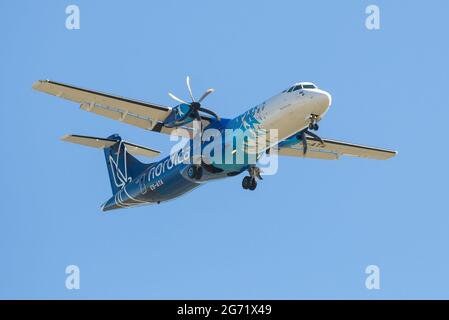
point(253, 184)
point(316, 126)
point(192, 172)
point(246, 182)
point(199, 173)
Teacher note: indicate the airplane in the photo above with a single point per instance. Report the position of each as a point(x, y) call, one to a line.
point(294, 113)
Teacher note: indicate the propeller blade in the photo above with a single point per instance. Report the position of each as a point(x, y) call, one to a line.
point(195, 106)
point(205, 94)
point(190, 89)
point(176, 98)
point(304, 142)
point(313, 135)
point(213, 114)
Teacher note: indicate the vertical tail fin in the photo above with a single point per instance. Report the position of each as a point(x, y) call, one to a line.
point(122, 166)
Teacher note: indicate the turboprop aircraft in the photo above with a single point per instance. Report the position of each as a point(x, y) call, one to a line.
point(293, 115)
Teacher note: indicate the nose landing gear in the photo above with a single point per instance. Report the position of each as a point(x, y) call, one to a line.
point(313, 124)
point(250, 182)
point(302, 135)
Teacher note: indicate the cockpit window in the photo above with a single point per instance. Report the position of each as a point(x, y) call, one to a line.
point(309, 86)
point(300, 86)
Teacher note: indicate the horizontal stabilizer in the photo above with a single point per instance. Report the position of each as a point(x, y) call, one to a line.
point(103, 143)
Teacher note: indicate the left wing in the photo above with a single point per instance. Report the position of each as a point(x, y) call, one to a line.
point(333, 150)
point(141, 114)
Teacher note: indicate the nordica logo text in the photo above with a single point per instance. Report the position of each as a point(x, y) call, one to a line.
point(174, 160)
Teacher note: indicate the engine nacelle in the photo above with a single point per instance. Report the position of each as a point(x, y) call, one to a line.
point(179, 116)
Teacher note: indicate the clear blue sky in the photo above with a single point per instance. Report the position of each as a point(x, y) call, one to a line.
point(308, 231)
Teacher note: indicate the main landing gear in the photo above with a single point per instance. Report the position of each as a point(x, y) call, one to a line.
point(250, 182)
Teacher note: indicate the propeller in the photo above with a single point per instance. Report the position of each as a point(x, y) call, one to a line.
point(195, 106)
point(303, 136)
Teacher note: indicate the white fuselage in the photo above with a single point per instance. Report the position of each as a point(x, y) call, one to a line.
point(290, 112)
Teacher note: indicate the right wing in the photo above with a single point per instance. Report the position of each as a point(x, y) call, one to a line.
point(333, 150)
point(141, 114)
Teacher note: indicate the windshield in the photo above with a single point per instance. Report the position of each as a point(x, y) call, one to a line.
point(309, 86)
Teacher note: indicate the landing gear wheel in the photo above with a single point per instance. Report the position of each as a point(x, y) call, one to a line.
point(313, 125)
point(191, 172)
point(195, 172)
point(246, 182)
point(253, 185)
point(199, 173)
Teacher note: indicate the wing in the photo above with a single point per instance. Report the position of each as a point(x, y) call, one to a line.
point(102, 143)
point(333, 150)
point(141, 114)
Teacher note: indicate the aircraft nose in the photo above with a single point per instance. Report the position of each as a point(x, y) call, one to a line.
point(323, 101)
